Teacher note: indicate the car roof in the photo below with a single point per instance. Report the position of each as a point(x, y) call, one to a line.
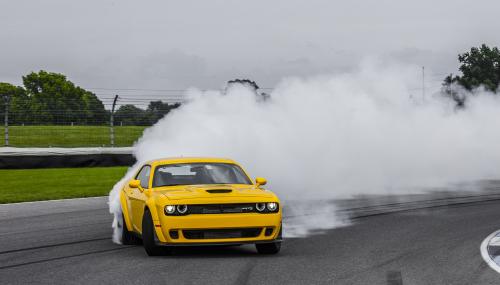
point(172, 160)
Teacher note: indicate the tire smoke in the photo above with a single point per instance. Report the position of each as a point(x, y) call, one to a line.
point(331, 137)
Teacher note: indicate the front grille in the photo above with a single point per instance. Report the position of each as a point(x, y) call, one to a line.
point(222, 233)
point(221, 208)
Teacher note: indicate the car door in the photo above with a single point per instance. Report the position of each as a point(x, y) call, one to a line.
point(138, 197)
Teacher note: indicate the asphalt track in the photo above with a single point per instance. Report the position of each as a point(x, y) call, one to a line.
point(69, 243)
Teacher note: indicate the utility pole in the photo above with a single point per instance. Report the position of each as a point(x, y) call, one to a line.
point(423, 83)
point(6, 119)
point(111, 122)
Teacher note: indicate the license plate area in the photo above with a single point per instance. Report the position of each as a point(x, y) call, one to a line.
point(222, 233)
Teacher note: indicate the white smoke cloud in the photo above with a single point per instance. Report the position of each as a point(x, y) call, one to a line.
point(330, 137)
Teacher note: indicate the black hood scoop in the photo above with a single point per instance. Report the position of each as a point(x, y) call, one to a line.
point(219, 191)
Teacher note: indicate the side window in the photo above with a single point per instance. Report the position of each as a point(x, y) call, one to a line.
point(143, 176)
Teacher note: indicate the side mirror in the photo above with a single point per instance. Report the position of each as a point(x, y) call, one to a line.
point(134, 184)
point(260, 181)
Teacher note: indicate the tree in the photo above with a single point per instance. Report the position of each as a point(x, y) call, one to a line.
point(19, 107)
point(250, 84)
point(132, 116)
point(95, 113)
point(246, 82)
point(56, 100)
point(50, 98)
point(479, 67)
point(157, 110)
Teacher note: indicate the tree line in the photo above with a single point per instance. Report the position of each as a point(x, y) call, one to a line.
point(131, 115)
point(480, 68)
point(51, 99)
point(48, 98)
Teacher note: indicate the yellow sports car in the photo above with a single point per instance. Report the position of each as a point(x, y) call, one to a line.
point(199, 201)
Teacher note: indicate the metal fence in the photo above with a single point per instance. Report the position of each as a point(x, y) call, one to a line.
point(105, 128)
point(70, 136)
point(116, 121)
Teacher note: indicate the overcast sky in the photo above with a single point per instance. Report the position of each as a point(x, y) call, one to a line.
point(178, 44)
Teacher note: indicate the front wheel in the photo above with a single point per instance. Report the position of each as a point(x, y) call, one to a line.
point(127, 237)
point(268, 248)
point(148, 236)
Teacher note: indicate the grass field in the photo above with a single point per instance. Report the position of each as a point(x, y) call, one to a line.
point(57, 183)
point(70, 136)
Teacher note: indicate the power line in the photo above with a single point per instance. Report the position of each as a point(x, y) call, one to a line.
point(139, 89)
point(143, 98)
point(139, 94)
point(159, 90)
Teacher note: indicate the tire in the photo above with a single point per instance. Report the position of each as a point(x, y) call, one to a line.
point(148, 236)
point(280, 234)
point(268, 248)
point(127, 237)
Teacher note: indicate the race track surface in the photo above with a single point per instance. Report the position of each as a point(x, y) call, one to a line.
point(61, 243)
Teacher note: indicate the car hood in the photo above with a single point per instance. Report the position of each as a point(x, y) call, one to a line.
point(213, 191)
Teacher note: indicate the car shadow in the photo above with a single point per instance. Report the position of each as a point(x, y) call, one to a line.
point(215, 251)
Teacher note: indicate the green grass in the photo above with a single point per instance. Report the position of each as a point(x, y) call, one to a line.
point(23, 185)
point(68, 136)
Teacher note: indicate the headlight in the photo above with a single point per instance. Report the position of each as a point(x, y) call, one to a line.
point(260, 206)
point(182, 209)
point(272, 206)
point(169, 209)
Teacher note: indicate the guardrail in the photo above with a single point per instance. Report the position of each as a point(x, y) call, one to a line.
point(23, 158)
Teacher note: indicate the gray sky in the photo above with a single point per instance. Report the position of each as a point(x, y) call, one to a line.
point(177, 44)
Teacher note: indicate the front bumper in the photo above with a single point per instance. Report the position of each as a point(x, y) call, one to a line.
point(269, 225)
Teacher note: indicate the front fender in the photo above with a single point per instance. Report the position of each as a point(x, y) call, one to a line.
point(152, 205)
point(126, 215)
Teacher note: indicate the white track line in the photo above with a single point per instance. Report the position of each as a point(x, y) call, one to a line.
point(484, 251)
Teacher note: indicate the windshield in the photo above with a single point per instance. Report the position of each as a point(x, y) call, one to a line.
point(199, 173)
